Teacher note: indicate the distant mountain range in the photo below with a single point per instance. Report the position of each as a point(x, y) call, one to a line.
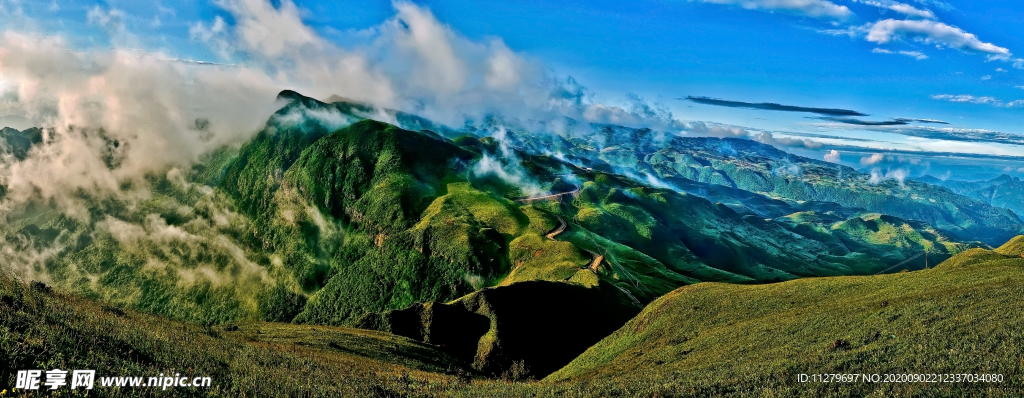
point(1003, 191)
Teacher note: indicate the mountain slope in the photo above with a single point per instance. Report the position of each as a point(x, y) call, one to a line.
point(46, 330)
point(705, 340)
point(715, 339)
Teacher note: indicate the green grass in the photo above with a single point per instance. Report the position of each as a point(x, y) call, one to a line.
point(55, 330)
point(708, 339)
point(715, 339)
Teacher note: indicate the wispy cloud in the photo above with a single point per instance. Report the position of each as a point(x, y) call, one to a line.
point(986, 100)
point(932, 32)
point(920, 56)
point(811, 8)
point(958, 134)
point(902, 8)
point(942, 5)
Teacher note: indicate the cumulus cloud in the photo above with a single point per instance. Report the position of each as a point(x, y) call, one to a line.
point(833, 156)
point(811, 8)
point(931, 32)
point(872, 160)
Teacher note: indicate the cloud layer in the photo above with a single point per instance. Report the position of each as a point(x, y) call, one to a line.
point(811, 8)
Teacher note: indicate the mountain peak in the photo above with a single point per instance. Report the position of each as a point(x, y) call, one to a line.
point(290, 95)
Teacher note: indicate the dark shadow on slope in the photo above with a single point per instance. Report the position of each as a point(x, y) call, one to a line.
point(542, 325)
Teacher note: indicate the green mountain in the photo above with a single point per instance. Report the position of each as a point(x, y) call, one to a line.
point(323, 225)
point(18, 143)
point(469, 240)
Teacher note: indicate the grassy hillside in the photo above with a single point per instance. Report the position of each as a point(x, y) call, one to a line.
point(47, 330)
point(708, 339)
point(714, 339)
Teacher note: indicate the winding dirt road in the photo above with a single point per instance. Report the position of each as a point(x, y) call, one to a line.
point(561, 228)
point(595, 264)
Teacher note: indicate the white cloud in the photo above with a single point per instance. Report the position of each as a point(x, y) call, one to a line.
point(811, 8)
point(145, 103)
point(932, 32)
point(986, 77)
point(900, 175)
point(111, 20)
point(872, 160)
point(913, 54)
point(149, 102)
point(833, 156)
point(901, 8)
point(702, 129)
point(966, 98)
point(979, 100)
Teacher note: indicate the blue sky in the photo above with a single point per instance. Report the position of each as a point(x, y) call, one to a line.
point(954, 61)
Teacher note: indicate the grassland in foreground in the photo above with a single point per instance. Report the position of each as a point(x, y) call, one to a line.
point(702, 340)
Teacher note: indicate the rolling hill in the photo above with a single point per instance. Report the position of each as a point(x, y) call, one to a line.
point(715, 339)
